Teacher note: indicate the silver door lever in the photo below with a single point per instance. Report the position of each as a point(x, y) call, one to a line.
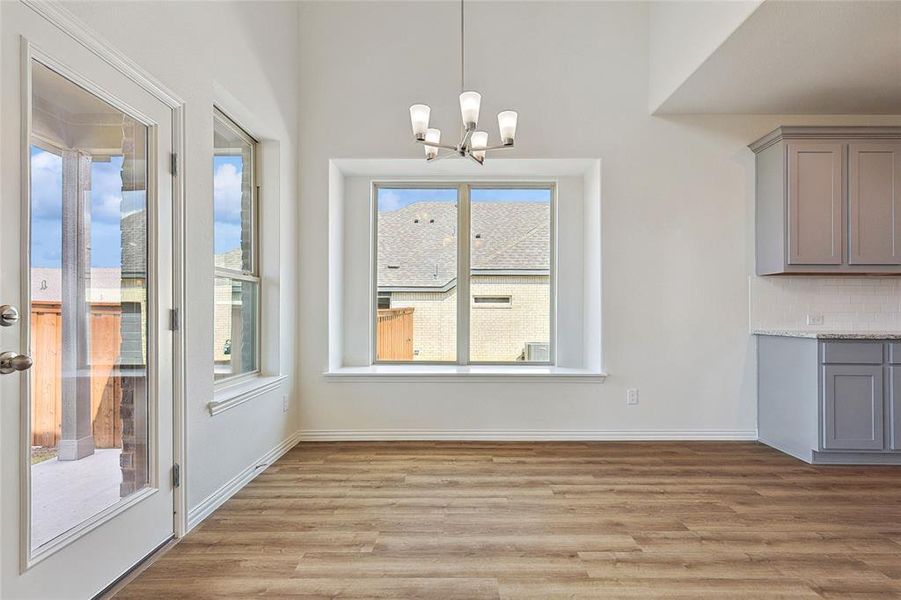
point(11, 362)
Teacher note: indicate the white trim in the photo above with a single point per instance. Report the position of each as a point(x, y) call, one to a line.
point(209, 504)
point(232, 396)
point(88, 525)
point(334, 435)
point(514, 372)
point(60, 16)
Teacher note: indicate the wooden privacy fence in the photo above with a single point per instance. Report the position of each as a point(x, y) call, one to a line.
point(46, 382)
point(395, 334)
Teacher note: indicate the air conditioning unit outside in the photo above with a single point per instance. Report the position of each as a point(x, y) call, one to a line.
point(538, 352)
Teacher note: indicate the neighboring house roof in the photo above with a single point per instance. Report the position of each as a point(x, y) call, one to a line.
point(231, 259)
point(417, 244)
point(134, 248)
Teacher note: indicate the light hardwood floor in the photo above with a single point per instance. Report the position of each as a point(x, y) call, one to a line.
point(473, 520)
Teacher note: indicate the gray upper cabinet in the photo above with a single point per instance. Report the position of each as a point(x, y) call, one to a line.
point(815, 184)
point(828, 200)
point(874, 203)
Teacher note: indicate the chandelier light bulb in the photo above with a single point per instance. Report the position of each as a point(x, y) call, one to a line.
point(506, 122)
point(419, 119)
point(479, 142)
point(470, 102)
point(433, 136)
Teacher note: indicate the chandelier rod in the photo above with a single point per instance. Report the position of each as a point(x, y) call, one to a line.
point(462, 49)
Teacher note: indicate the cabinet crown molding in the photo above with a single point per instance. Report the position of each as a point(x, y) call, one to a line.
point(815, 132)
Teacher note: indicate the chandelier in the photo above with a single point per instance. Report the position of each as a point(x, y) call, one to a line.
point(473, 143)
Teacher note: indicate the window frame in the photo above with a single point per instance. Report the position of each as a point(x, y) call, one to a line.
point(253, 274)
point(464, 267)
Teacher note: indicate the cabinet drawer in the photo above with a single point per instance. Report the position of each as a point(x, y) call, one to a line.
point(852, 353)
point(894, 353)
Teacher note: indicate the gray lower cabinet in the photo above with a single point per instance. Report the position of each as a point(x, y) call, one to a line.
point(895, 406)
point(828, 200)
point(853, 406)
point(830, 401)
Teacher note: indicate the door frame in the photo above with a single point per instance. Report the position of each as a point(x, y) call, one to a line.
point(59, 16)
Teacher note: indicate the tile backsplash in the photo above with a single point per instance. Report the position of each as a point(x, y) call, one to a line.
point(844, 303)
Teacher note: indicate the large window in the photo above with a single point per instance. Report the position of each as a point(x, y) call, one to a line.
point(491, 245)
point(236, 339)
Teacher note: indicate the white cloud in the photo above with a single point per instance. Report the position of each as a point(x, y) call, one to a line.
point(46, 185)
point(227, 193)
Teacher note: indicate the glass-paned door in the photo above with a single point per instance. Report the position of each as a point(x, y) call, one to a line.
point(86, 369)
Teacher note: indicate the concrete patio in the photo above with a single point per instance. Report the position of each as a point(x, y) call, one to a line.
point(65, 493)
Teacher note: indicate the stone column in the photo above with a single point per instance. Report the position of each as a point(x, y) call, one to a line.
point(77, 435)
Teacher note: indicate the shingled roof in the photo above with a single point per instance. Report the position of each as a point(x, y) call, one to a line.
point(417, 243)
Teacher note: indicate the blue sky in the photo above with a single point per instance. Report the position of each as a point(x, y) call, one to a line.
point(390, 199)
point(227, 173)
point(108, 205)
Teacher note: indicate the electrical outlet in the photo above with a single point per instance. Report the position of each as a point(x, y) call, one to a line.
point(285, 403)
point(632, 396)
point(815, 319)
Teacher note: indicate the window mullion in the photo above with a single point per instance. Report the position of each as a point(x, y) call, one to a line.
point(463, 262)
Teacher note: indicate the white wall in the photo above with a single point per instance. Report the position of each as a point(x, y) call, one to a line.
point(683, 34)
point(205, 52)
point(677, 209)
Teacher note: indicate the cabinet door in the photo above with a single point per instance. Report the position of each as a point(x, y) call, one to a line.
point(874, 203)
point(852, 407)
point(815, 192)
point(895, 405)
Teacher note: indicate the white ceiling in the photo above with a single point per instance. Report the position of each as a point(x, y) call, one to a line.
point(799, 57)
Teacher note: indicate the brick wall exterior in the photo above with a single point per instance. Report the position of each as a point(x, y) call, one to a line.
point(496, 334)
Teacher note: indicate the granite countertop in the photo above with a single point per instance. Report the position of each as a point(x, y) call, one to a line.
point(831, 335)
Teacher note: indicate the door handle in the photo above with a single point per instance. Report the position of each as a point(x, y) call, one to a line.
point(9, 315)
point(11, 362)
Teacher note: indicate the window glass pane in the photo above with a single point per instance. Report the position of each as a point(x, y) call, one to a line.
point(417, 274)
point(88, 428)
point(232, 197)
point(510, 258)
point(235, 327)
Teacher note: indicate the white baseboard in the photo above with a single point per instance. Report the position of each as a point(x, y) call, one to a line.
point(229, 488)
point(371, 435)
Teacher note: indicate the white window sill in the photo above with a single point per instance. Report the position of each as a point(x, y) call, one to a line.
point(442, 373)
point(231, 396)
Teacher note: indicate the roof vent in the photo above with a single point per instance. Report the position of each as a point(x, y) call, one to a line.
point(416, 220)
point(478, 236)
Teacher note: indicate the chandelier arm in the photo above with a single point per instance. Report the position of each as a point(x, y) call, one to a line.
point(465, 141)
point(498, 147)
point(440, 156)
point(434, 145)
point(478, 161)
